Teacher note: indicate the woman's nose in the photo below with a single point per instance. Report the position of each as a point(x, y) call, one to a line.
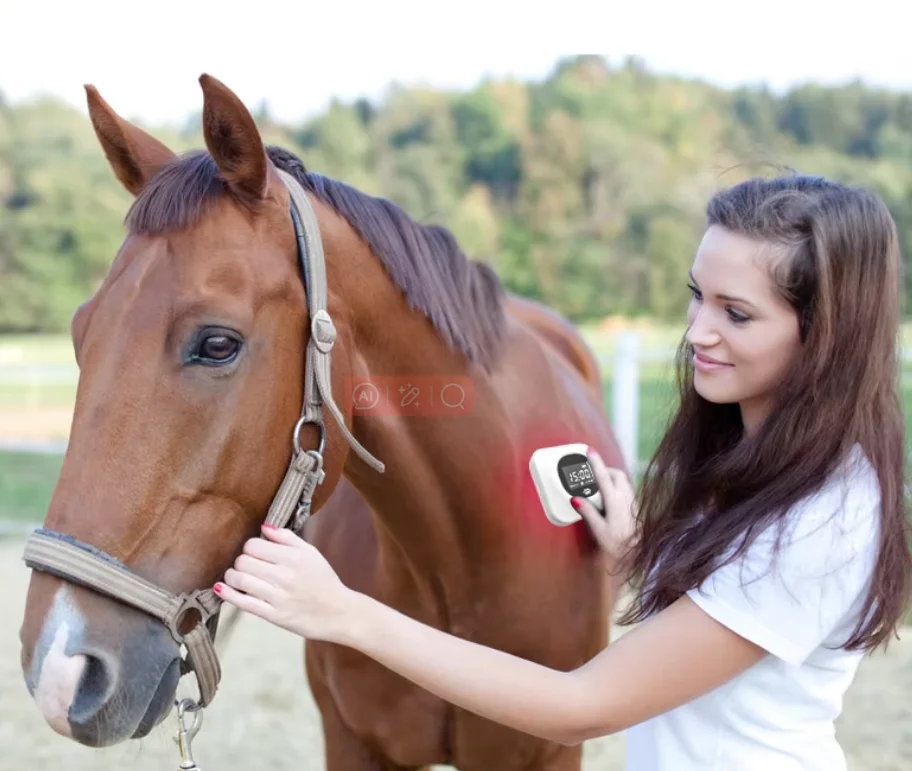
point(701, 330)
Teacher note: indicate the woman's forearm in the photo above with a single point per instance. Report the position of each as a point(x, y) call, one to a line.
point(504, 688)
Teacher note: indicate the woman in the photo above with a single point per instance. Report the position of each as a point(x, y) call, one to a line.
point(769, 545)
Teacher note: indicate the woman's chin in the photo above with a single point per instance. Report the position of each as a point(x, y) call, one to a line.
point(712, 392)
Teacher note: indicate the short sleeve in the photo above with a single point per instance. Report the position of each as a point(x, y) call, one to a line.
point(789, 605)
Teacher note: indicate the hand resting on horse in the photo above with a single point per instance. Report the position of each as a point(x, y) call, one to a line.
point(667, 661)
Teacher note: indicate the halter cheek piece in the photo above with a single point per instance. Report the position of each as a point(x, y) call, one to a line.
point(82, 564)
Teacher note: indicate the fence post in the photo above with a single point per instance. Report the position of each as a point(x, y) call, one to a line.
point(625, 396)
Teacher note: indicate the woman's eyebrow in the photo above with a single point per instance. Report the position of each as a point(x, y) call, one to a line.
point(728, 297)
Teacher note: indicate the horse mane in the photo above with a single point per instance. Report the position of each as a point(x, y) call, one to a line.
point(462, 298)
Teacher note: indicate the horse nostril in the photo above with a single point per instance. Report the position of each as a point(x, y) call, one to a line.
point(93, 691)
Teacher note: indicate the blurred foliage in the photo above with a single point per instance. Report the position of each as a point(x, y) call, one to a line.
point(585, 191)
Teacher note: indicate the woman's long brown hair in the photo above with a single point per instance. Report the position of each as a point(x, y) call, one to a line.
point(840, 271)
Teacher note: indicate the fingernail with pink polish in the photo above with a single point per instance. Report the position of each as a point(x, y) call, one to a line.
point(575, 503)
point(217, 588)
point(269, 527)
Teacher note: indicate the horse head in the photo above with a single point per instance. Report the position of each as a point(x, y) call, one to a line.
point(192, 377)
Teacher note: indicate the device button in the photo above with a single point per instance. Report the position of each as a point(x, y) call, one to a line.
point(587, 491)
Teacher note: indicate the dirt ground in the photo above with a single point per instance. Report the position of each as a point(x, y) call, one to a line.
point(264, 717)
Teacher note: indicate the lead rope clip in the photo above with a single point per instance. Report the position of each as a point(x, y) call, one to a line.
point(185, 735)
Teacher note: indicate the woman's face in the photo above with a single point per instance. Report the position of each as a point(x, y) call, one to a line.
point(744, 335)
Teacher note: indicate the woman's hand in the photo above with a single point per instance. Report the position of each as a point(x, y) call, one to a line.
point(615, 530)
point(288, 582)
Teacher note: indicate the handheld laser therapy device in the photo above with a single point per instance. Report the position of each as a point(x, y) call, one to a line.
point(561, 473)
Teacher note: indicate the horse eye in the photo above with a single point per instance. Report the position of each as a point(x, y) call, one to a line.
point(218, 348)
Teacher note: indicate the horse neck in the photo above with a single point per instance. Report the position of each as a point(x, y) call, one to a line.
point(423, 499)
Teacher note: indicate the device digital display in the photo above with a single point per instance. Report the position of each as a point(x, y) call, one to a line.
point(576, 475)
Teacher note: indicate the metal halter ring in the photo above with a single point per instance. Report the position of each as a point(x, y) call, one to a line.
point(296, 438)
point(190, 602)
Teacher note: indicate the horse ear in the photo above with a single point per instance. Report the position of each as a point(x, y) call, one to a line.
point(234, 141)
point(133, 154)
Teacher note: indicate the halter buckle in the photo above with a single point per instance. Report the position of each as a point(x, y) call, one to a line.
point(322, 331)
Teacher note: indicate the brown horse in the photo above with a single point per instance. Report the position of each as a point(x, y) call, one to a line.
point(191, 356)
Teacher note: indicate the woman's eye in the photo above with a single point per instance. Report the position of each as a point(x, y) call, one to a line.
point(694, 291)
point(738, 318)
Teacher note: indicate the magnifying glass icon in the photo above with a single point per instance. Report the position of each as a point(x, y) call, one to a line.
point(458, 401)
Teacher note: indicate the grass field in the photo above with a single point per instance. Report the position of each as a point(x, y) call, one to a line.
point(26, 483)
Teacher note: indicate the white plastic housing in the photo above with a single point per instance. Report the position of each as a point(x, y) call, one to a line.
point(545, 465)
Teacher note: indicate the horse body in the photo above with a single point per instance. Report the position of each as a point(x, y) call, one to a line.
point(479, 561)
point(177, 450)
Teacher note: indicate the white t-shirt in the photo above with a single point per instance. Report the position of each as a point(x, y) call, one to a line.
point(779, 714)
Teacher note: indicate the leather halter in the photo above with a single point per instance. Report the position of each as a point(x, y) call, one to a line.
point(82, 564)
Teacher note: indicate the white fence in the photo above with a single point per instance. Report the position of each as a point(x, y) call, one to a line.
point(625, 397)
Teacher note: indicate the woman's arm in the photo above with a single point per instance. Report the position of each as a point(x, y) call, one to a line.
point(677, 656)
point(668, 660)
